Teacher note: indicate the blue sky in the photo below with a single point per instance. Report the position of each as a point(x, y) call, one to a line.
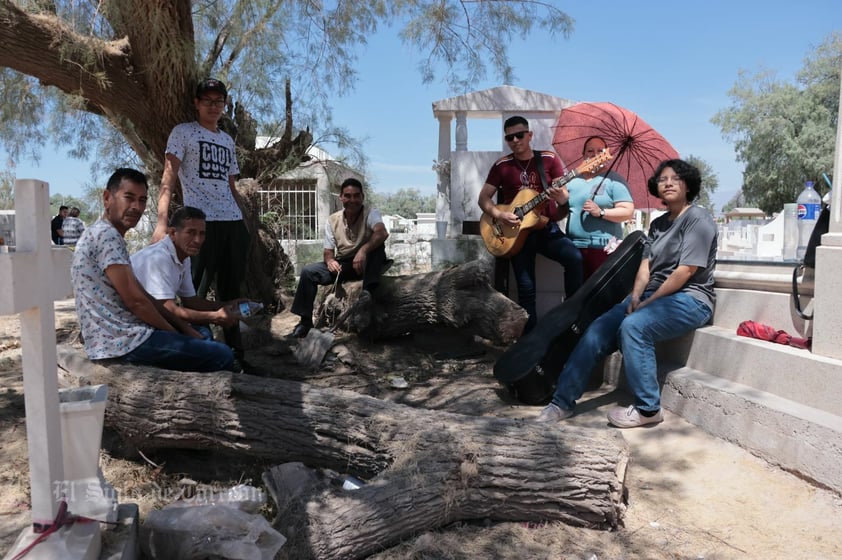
point(670, 62)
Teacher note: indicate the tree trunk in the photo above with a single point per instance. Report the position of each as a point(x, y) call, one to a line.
point(424, 469)
point(268, 268)
point(460, 297)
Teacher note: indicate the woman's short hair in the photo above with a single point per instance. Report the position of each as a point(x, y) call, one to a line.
point(688, 172)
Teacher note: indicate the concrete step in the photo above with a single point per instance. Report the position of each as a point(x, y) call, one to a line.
point(776, 369)
point(797, 437)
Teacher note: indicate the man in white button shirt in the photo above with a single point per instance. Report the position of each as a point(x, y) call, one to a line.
point(164, 270)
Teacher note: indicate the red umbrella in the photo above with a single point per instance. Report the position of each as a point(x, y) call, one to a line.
point(637, 147)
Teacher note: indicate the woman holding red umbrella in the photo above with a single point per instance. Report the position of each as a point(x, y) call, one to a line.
point(599, 204)
point(672, 295)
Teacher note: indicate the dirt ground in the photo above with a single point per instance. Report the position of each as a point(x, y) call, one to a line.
point(690, 494)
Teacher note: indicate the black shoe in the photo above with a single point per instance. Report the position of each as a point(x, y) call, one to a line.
point(301, 330)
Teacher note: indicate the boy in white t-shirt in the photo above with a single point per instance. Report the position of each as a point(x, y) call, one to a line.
point(203, 159)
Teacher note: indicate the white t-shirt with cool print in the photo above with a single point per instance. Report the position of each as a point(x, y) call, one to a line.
point(208, 159)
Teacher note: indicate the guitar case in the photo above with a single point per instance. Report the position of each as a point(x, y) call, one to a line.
point(529, 368)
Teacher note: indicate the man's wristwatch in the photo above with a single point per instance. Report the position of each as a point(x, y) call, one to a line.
point(601, 212)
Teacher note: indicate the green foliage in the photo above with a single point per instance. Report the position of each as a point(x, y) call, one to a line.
point(405, 202)
point(7, 192)
point(710, 182)
point(86, 214)
point(785, 133)
point(316, 45)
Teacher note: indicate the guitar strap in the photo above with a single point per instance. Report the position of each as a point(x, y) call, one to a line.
point(539, 165)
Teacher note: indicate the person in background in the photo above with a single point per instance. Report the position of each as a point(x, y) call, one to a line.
point(119, 319)
point(56, 224)
point(511, 173)
point(353, 249)
point(672, 295)
point(72, 227)
point(203, 159)
point(599, 204)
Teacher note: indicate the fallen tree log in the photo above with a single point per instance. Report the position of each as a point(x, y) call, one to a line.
point(460, 297)
point(425, 469)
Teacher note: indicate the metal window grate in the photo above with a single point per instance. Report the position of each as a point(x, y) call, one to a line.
point(293, 203)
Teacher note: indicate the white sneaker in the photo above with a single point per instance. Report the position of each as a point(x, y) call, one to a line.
point(553, 413)
point(630, 417)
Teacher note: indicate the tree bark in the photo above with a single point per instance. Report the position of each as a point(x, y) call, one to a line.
point(460, 297)
point(268, 268)
point(126, 79)
point(424, 469)
point(142, 80)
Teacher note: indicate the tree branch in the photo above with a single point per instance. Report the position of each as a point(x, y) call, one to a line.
point(46, 48)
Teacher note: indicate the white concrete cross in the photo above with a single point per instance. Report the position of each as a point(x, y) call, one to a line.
point(31, 279)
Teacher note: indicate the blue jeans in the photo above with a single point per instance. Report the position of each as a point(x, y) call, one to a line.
point(635, 335)
point(553, 244)
point(203, 330)
point(172, 350)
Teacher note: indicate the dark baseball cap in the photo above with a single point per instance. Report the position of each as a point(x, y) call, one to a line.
point(210, 84)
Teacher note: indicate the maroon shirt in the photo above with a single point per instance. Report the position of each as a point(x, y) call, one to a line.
point(507, 172)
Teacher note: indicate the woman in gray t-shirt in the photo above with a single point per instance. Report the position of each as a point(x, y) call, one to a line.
point(672, 295)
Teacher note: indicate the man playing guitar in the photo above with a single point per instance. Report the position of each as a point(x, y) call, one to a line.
point(520, 170)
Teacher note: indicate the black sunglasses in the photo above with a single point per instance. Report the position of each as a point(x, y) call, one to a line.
point(518, 135)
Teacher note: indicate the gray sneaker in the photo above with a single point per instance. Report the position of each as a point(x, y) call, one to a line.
point(630, 417)
point(553, 413)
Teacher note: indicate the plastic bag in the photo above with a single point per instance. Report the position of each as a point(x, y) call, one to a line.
point(216, 531)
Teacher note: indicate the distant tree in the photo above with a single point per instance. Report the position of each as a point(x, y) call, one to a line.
point(736, 201)
point(710, 182)
point(57, 200)
point(785, 133)
point(7, 192)
point(405, 202)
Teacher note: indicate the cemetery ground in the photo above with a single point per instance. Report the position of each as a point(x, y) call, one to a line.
point(690, 495)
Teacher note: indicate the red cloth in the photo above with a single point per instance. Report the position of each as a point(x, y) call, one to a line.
point(760, 331)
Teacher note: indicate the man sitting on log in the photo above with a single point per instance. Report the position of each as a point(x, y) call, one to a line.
point(353, 250)
point(119, 319)
point(164, 271)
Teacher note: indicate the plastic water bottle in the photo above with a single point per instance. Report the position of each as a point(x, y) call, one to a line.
point(249, 308)
point(809, 208)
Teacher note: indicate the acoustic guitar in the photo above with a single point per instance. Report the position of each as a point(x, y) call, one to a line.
point(503, 240)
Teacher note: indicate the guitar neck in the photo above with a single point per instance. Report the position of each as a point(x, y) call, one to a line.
point(564, 179)
point(542, 196)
